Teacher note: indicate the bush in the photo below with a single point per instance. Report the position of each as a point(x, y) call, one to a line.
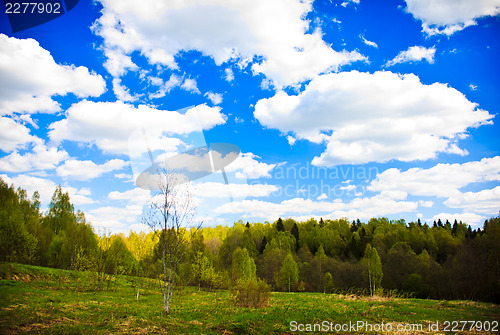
point(251, 293)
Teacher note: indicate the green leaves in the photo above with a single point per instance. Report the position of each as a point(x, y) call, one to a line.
point(289, 272)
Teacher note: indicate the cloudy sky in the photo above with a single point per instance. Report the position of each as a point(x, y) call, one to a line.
point(354, 108)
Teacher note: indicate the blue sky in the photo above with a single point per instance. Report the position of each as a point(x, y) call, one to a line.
point(352, 109)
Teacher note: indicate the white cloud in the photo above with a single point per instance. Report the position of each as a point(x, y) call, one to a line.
point(109, 125)
point(413, 54)
point(426, 203)
point(446, 181)
point(485, 201)
point(377, 117)
point(219, 190)
point(41, 158)
point(449, 16)
point(156, 81)
point(215, 98)
point(174, 81)
point(14, 135)
point(121, 218)
point(323, 196)
point(46, 188)
point(442, 180)
point(29, 77)
point(126, 176)
point(117, 219)
point(378, 205)
point(348, 2)
point(166, 87)
point(369, 43)
point(348, 187)
point(223, 29)
point(190, 86)
point(247, 166)
point(468, 218)
point(122, 92)
point(86, 170)
point(137, 196)
point(229, 74)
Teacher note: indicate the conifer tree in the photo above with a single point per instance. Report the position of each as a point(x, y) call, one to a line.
point(279, 225)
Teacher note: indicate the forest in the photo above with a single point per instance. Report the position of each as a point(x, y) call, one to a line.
point(437, 260)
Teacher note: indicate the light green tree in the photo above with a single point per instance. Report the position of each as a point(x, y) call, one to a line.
point(328, 285)
point(321, 260)
point(374, 268)
point(289, 272)
point(203, 271)
point(243, 266)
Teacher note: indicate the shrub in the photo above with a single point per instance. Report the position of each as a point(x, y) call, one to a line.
point(251, 293)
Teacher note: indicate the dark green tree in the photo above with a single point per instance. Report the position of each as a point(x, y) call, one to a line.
point(295, 233)
point(279, 225)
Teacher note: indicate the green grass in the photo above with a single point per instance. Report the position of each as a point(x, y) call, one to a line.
point(51, 301)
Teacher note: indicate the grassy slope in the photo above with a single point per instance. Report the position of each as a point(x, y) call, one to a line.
point(42, 300)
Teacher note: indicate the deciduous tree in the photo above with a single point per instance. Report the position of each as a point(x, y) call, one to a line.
point(289, 272)
point(171, 210)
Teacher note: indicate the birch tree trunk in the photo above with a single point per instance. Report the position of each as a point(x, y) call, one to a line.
point(170, 211)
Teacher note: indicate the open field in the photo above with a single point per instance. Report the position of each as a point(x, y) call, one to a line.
point(43, 300)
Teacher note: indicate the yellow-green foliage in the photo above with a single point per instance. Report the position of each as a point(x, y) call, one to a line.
point(253, 293)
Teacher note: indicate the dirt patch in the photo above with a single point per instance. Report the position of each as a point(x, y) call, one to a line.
point(196, 323)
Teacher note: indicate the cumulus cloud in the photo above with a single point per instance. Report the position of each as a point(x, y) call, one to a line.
point(124, 212)
point(377, 117)
point(467, 217)
point(413, 54)
point(219, 190)
point(247, 166)
point(29, 77)
point(116, 219)
point(446, 181)
point(449, 16)
point(86, 170)
point(122, 92)
point(485, 201)
point(46, 188)
point(378, 205)
point(40, 158)
point(441, 180)
point(109, 125)
point(14, 135)
point(215, 98)
point(190, 85)
point(274, 32)
point(165, 87)
point(323, 196)
point(229, 74)
point(137, 196)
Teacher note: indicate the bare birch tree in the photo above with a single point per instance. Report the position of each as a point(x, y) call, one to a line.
point(170, 211)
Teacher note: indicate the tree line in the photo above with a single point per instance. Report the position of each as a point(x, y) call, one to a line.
point(438, 261)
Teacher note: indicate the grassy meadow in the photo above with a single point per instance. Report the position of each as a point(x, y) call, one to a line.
point(52, 301)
